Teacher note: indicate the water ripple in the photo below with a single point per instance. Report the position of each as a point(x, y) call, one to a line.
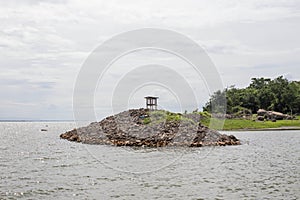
point(35, 165)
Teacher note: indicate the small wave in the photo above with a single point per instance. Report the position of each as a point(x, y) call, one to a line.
point(45, 158)
point(61, 166)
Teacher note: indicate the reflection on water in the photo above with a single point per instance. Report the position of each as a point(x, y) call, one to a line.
point(36, 164)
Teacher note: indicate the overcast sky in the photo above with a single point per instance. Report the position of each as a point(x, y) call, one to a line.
point(43, 44)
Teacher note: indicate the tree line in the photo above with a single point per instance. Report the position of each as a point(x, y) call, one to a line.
point(279, 95)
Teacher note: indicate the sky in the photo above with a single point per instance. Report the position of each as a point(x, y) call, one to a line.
point(44, 44)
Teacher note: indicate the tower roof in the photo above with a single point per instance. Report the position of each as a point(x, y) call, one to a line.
point(151, 97)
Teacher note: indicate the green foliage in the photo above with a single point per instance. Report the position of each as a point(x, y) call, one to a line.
point(278, 94)
point(146, 120)
point(158, 116)
point(217, 102)
point(239, 111)
point(173, 116)
point(205, 114)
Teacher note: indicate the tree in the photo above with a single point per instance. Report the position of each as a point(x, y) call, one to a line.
point(217, 102)
point(259, 83)
point(278, 94)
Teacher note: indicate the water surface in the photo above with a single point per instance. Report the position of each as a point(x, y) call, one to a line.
point(36, 165)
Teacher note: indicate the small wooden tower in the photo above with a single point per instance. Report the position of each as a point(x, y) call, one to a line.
point(151, 102)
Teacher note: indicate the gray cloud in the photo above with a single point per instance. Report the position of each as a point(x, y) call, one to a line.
point(30, 2)
point(43, 43)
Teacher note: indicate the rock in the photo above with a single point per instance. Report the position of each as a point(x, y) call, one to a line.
point(276, 115)
point(165, 129)
point(193, 116)
point(270, 115)
point(261, 112)
point(260, 118)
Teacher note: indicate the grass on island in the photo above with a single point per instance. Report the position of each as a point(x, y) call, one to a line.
point(159, 116)
point(238, 124)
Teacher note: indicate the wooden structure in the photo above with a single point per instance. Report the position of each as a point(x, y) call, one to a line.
point(151, 102)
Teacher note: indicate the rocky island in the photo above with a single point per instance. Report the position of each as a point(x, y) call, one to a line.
point(147, 128)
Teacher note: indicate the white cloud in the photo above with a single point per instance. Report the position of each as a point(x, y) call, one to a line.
point(47, 41)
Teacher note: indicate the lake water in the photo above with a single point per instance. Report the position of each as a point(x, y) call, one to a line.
point(39, 165)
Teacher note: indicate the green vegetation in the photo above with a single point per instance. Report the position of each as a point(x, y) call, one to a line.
point(146, 120)
point(158, 116)
point(279, 95)
point(239, 124)
point(162, 115)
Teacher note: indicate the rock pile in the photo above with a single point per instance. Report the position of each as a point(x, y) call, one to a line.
point(272, 115)
point(141, 127)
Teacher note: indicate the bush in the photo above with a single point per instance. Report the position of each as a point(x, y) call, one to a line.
point(239, 110)
point(147, 120)
point(205, 114)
